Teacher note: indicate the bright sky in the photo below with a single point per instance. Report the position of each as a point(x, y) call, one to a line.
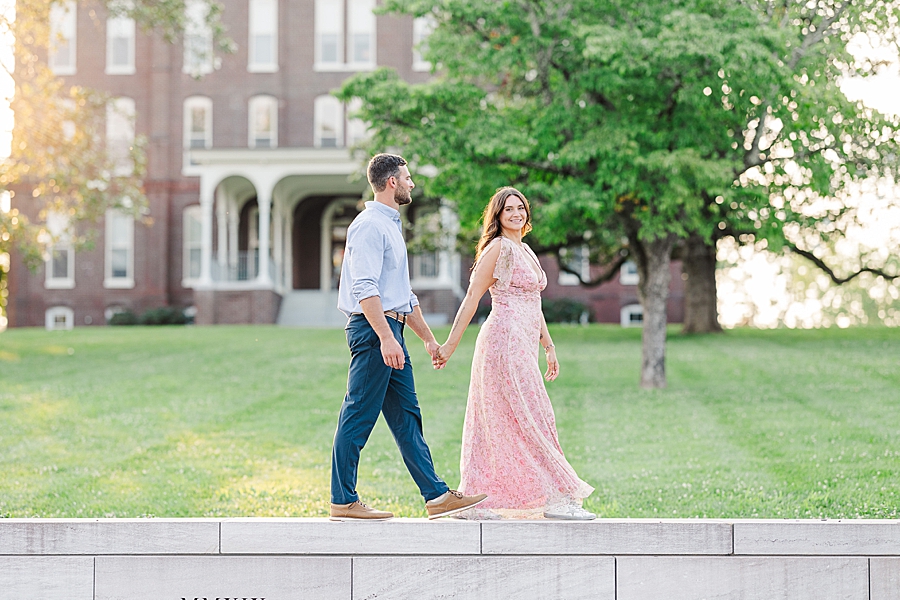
point(6, 84)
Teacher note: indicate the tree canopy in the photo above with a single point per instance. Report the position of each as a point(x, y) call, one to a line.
point(631, 125)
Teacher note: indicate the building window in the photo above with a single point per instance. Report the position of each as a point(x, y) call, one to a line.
point(332, 120)
point(336, 51)
point(193, 232)
point(263, 122)
point(120, 135)
point(119, 46)
point(329, 33)
point(263, 43)
point(197, 125)
point(198, 39)
point(357, 129)
point(59, 318)
point(577, 259)
point(628, 274)
point(361, 23)
point(329, 122)
point(119, 250)
point(63, 28)
point(60, 262)
point(426, 265)
point(422, 28)
point(632, 315)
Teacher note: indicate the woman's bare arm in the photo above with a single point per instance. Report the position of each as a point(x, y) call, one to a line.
point(482, 279)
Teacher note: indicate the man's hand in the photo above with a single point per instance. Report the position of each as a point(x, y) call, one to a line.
point(438, 360)
point(392, 352)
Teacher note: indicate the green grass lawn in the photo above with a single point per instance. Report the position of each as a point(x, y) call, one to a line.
point(238, 421)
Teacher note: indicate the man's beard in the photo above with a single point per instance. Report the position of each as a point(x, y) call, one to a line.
point(402, 197)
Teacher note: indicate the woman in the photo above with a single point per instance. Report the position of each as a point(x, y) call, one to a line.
point(510, 448)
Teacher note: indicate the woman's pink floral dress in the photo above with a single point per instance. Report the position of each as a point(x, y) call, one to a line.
point(510, 448)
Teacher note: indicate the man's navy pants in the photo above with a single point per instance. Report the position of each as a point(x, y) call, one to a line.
point(373, 388)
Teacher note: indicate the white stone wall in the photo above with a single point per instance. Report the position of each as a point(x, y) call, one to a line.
point(294, 559)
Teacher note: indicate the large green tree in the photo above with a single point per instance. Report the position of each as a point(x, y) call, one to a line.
point(638, 127)
point(59, 162)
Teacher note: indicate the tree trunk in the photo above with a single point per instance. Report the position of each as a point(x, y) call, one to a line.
point(653, 260)
point(698, 263)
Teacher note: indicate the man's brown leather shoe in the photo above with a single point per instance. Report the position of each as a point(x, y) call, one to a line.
point(357, 511)
point(451, 503)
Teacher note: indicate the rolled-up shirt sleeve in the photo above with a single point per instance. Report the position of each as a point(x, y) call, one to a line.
point(413, 299)
point(365, 250)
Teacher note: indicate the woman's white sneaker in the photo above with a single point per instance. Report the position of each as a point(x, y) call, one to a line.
point(569, 512)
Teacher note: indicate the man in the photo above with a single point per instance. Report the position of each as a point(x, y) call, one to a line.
point(376, 296)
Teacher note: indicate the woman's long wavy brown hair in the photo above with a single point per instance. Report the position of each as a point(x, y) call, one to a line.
point(491, 218)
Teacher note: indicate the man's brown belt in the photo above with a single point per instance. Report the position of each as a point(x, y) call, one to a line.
point(392, 314)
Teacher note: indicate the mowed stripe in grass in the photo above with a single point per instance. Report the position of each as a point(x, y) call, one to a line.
point(238, 421)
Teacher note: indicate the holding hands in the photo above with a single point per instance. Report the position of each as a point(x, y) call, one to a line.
point(442, 355)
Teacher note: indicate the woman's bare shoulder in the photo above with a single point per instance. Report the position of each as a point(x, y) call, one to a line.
point(491, 251)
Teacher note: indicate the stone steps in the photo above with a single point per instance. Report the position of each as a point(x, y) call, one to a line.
point(607, 559)
point(310, 308)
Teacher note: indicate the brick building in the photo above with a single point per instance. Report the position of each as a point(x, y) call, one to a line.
point(250, 183)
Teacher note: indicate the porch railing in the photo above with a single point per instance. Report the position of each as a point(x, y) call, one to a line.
point(245, 269)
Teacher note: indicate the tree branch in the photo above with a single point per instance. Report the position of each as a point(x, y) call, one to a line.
point(828, 271)
point(606, 275)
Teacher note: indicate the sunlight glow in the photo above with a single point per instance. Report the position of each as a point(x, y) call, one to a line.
point(8, 10)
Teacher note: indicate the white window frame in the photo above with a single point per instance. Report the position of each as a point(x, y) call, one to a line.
point(324, 26)
point(198, 54)
point(257, 101)
point(422, 28)
point(188, 134)
point(116, 25)
point(52, 282)
point(193, 212)
point(355, 130)
point(120, 123)
point(585, 268)
point(358, 10)
point(322, 104)
point(259, 26)
point(51, 314)
point(447, 261)
point(628, 273)
point(118, 282)
point(56, 227)
point(343, 19)
point(63, 30)
point(627, 311)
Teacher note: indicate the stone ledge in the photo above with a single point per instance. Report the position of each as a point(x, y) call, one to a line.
point(825, 538)
point(109, 536)
point(607, 536)
point(747, 578)
point(287, 559)
point(321, 536)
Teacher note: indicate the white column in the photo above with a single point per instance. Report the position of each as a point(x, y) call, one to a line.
point(221, 231)
point(264, 200)
point(326, 263)
point(233, 217)
point(278, 244)
point(206, 206)
point(288, 274)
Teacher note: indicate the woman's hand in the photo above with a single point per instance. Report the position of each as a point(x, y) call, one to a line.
point(443, 354)
point(552, 365)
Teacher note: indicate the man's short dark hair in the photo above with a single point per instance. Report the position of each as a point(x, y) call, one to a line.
point(381, 168)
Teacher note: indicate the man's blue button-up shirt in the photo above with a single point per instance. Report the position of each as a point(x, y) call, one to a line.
point(375, 262)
